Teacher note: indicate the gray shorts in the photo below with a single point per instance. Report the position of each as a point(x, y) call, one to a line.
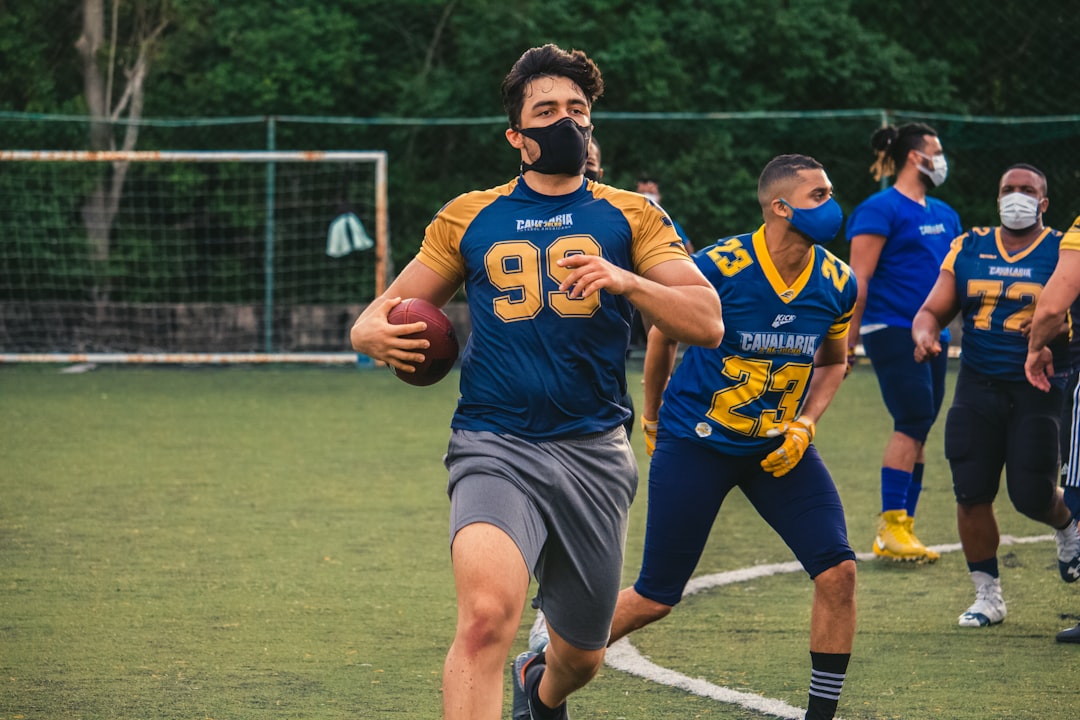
point(565, 505)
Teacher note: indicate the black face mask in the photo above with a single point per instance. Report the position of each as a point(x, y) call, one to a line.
point(564, 147)
point(592, 175)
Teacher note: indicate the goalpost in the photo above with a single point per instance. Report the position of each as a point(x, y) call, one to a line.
point(189, 257)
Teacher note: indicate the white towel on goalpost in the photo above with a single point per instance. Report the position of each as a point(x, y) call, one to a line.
point(347, 235)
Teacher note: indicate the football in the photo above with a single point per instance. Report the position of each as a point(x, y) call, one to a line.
point(439, 358)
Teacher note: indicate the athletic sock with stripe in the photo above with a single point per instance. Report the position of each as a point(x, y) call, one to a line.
point(826, 682)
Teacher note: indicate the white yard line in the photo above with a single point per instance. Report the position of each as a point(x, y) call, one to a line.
point(624, 656)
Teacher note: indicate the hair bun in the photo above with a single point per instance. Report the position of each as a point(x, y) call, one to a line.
point(883, 138)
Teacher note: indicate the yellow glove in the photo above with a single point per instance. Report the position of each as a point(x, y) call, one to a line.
point(649, 428)
point(798, 434)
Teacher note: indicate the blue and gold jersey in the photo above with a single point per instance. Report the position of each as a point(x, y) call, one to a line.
point(539, 364)
point(997, 292)
point(729, 397)
point(1071, 241)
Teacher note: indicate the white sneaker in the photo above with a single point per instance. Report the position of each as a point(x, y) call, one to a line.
point(1068, 552)
point(989, 605)
point(538, 634)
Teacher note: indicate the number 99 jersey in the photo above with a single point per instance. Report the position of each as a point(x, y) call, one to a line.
point(540, 364)
point(731, 396)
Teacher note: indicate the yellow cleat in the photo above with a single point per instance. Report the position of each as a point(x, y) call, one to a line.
point(896, 541)
point(909, 522)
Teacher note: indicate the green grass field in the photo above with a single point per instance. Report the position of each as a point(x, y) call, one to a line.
point(272, 543)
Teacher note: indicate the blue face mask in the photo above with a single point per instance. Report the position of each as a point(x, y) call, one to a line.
point(821, 223)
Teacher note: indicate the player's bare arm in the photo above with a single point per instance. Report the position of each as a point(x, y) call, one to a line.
point(865, 253)
point(373, 335)
point(940, 307)
point(830, 366)
point(1061, 289)
point(673, 295)
point(1050, 316)
point(678, 300)
point(659, 363)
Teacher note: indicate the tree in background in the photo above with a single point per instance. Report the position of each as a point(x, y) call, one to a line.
point(127, 47)
point(383, 60)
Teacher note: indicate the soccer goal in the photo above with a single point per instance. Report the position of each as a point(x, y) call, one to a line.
point(189, 257)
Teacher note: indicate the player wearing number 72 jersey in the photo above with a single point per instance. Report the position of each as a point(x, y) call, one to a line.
point(743, 415)
point(993, 277)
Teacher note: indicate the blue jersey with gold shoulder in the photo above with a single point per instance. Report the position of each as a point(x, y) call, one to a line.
point(540, 364)
point(997, 293)
point(729, 397)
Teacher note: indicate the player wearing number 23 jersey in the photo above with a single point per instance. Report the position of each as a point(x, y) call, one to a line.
point(743, 415)
point(757, 379)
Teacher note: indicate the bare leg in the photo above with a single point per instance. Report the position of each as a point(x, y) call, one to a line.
point(567, 669)
point(978, 530)
point(832, 632)
point(832, 621)
point(902, 452)
point(634, 612)
point(1058, 515)
point(492, 582)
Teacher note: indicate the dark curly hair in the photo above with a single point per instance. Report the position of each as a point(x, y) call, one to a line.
point(549, 60)
point(891, 146)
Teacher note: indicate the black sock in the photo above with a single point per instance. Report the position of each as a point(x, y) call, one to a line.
point(826, 681)
point(540, 711)
point(990, 567)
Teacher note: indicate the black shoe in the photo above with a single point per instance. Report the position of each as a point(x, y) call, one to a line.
point(523, 683)
point(1072, 635)
point(528, 669)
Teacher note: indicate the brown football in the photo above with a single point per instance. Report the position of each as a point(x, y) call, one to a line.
point(440, 357)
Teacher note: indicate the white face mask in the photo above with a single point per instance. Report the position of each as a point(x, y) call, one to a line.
point(1018, 211)
point(940, 169)
point(652, 196)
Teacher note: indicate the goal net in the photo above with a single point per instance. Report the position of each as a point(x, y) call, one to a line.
point(188, 256)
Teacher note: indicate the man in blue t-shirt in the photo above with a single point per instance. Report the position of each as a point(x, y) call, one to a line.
point(899, 236)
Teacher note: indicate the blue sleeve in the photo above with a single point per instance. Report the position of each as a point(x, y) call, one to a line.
point(707, 267)
point(869, 219)
point(681, 233)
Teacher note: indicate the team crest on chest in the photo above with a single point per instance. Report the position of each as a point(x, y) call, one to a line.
point(555, 222)
point(770, 343)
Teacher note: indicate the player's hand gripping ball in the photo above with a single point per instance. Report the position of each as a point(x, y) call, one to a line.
point(440, 357)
